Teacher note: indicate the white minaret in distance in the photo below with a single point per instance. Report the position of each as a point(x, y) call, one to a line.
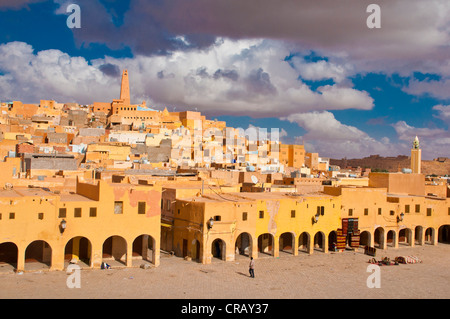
point(416, 157)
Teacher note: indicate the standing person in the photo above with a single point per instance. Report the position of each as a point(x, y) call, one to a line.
point(252, 268)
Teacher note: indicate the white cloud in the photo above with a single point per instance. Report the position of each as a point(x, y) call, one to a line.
point(246, 77)
point(334, 139)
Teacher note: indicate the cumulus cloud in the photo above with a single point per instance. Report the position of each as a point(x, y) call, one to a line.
point(245, 77)
point(433, 141)
point(443, 113)
point(326, 135)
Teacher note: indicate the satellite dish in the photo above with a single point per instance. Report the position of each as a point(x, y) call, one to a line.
point(254, 179)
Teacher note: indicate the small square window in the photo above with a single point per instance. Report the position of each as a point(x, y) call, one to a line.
point(417, 208)
point(118, 207)
point(93, 212)
point(141, 207)
point(350, 212)
point(293, 213)
point(12, 215)
point(392, 213)
point(366, 211)
point(77, 212)
point(379, 211)
point(41, 216)
point(406, 209)
point(429, 211)
point(261, 214)
point(244, 215)
point(62, 212)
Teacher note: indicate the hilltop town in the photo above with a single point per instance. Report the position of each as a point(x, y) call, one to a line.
point(122, 183)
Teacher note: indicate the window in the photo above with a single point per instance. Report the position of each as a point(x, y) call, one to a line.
point(417, 208)
point(168, 204)
point(392, 213)
point(366, 211)
point(77, 212)
point(261, 214)
point(118, 207)
point(244, 215)
point(141, 207)
point(350, 212)
point(62, 212)
point(217, 218)
point(379, 211)
point(41, 216)
point(93, 212)
point(429, 210)
point(293, 213)
point(12, 215)
point(449, 210)
point(407, 209)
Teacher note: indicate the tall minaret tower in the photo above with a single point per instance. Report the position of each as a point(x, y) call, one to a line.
point(125, 88)
point(416, 157)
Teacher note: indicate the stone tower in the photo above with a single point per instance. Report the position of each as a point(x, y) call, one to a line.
point(416, 157)
point(125, 88)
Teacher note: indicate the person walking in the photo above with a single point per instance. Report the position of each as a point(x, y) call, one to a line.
point(252, 268)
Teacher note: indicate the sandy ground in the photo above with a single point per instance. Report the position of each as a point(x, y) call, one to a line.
point(334, 275)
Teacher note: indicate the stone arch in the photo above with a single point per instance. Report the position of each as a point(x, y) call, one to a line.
point(8, 256)
point(218, 249)
point(266, 244)
point(286, 242)
point(304, 242)
point(319, 241)
point(244, 244)
point(114, 250)
point(80, 249)
point(144, 248)
point(391, 238)
point(365, 239)
point(38, 255)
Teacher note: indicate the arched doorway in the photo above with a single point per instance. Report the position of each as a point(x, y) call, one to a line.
point(144, 248)
point(405, 237)
point(418, 235)
point(332, 240)
point(114, 251)
point(379, 238)
point(365, 239)
point(319, 241)
point(303, 242)
point(80, 249)
point(8, 256)
point(243, 245)
point(429, 236)
point(444, 234)
point(390, 239)
point(218, 249)
point(286, 243)
point(38, 255)
point(265, 244)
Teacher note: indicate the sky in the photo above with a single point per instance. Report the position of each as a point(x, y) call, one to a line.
point(312, 69)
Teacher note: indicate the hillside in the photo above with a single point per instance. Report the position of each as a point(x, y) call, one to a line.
point(395, 164)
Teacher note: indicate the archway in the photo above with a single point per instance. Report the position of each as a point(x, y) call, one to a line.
point(365, 239)
point(379, 238)
point(38, 255)
point(429, 236)
point(303, 242)
point(390, 238)
point(444, 234)
point(243, 245)
point(286, 242)
point(405, 237)
point(80, 249)
point(265, 244)
point(332, 240)
point(144, 248)
point(418, 235)
point(319, 241)
point(218, 249)
point(8, 256)
point(115, 251)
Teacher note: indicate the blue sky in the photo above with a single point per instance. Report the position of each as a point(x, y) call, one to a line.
point(320, 76)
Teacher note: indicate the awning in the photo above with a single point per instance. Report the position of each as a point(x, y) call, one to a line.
point(166, 225)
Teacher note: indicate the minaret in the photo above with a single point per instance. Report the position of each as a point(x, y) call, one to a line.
point(125, 88)
point(416, 157)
